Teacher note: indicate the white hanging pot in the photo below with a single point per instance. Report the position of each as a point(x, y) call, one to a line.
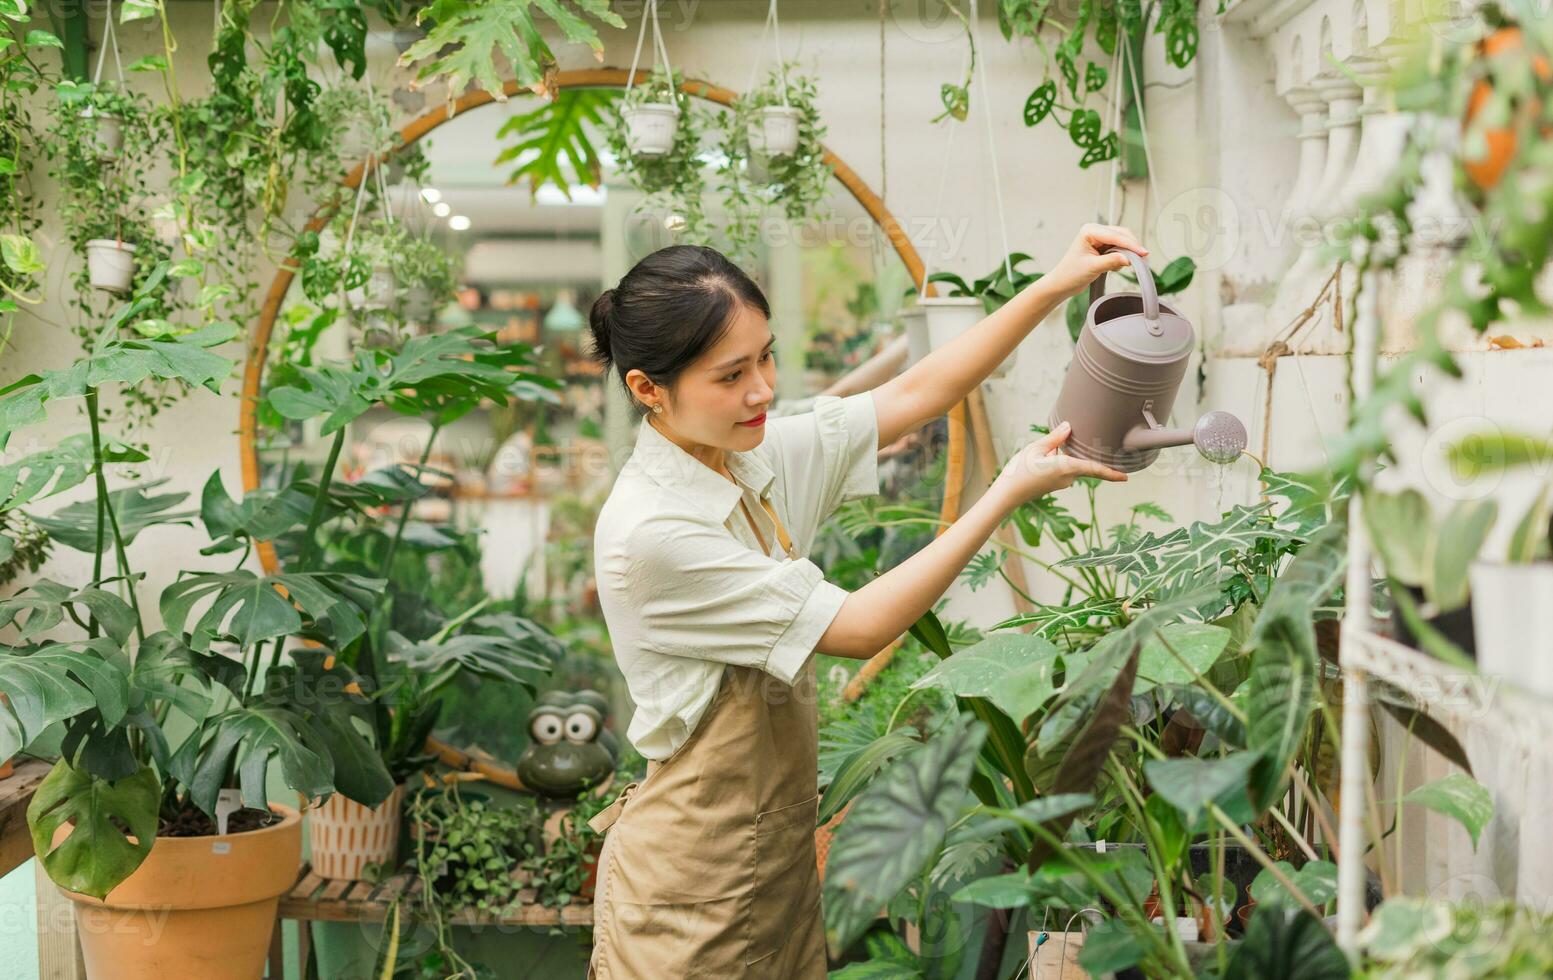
point(376, 294)
point(108, 134)
point(779, 130)
point(650, 128)
point(110, 264)
point(934, 321)
point(418, 304)
point(1512, 622)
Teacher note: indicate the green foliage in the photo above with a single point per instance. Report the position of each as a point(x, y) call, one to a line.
point(674, 180)
point(1410, 937)
point(553, 144)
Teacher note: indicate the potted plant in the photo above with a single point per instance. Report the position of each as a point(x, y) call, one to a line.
point(1512, 600)
point(773, 155)
point(424, 273)
point(105, 111)
point(933, 321)
point(110, 260)
point(656, 139)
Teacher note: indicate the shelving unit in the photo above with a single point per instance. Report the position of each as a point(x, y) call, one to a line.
point(1459, 697)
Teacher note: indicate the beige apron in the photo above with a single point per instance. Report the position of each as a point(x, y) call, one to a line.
point(708, 866)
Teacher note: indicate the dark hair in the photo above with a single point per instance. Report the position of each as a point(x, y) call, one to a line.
point(669, 310)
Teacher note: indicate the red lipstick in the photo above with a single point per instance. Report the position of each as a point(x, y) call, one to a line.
point(758, 420)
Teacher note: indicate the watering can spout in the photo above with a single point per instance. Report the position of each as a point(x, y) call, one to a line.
point(1219, 436)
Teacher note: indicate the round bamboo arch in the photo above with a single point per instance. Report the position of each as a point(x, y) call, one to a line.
point(259, 338)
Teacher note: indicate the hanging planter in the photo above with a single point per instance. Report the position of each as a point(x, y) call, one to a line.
point(346, 836)
point(377, 293)
point(778, 130)
point(195, 907)
point(110, 264)
point(107, 135)
point(933, 321)
point(651, 127)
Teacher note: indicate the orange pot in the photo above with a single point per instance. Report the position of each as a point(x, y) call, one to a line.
point(1488, 170)
point(196, 907)
point(345, 836)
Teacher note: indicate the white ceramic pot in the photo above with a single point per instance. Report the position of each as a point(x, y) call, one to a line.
point(650, 128)
point(345, 836)
point(376, 294)
point(779, 130)
point(1512, 624)
point(110, 264)
point(933, 322)
point(418, 304)
point(109, 135)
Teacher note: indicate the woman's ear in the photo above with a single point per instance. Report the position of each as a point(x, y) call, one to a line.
point(642, 387)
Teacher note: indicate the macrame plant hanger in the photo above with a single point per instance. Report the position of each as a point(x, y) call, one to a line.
point(675, 96)
point(110, 39)
point(774, 27)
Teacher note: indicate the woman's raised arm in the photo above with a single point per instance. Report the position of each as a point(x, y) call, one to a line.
point(934, 384)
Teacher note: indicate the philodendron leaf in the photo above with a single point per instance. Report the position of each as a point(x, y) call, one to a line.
point(1456, 546)
point(1085, 758)
point(251, 608)
point(895, 828)
point(1401, 525)
point(1013, 671)
point(1109, 947)
point(1317, 881)
point(1460, 797)
point(98, 854)
point(1403, 925)
point(1284, 661)
point(1190, 784)
point(243, 740)
point(56, 683)
point(1287, 944)
point(134, 510)
point(43, 605)
point(859, 767)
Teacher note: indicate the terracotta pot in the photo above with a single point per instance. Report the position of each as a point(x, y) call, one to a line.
point(345, 836)
point(1487, 170)
point(7, 768)
point(196, 907)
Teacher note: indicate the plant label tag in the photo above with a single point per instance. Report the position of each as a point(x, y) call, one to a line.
point(221, 847)
point(228, 801)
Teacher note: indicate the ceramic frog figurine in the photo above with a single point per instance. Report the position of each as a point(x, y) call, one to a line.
point(571, 750)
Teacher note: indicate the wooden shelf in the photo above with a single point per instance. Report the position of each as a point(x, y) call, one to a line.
point(318, 899)
point(16, 792)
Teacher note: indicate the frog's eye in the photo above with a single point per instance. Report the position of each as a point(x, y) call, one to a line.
point(581, 727)
point(547, 728)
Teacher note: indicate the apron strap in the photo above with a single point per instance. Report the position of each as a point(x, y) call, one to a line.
point(782, 538)
point(605, 818)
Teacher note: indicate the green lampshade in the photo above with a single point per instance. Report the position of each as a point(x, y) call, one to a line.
point(563, 316)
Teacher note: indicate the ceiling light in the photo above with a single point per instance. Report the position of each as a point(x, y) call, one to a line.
point(431, 195)
point(459, 222)
point(442, 209)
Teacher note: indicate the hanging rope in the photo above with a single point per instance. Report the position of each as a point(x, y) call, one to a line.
point(658, 46)
point(992, 149)
point(109, 40)
point(774, 27)
point(1143, 125)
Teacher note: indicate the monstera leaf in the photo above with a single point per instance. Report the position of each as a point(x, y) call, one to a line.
point(467, 36)
point(124, 360)
point(553, 139)
point(895, 828)
point(167, 669)
point(57, 682)
point(252, 608)
point(67, 464)
point(134, 510)
point(43, 605)
point(99, 853)
point(244, 740)
point(1284, 659)
point(492, 657)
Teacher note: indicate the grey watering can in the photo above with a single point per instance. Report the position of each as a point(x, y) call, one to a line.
point(1127, 367)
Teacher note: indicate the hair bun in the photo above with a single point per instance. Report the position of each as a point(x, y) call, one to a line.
point(599, 318)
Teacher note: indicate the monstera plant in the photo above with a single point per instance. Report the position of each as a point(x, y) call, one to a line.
point(153, 728)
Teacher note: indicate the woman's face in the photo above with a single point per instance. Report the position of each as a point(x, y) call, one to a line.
point(720, 400)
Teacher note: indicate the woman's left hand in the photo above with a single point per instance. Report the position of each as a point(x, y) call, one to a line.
point(1084, 260)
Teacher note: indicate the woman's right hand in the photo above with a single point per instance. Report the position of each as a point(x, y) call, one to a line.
point(1040, 469)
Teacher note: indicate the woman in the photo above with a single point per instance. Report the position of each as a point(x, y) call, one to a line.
point(715, 614)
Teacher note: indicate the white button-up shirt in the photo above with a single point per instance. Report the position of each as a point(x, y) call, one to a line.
point(684, 585)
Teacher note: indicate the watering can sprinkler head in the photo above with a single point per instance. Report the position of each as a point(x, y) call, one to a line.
point(1127, 366)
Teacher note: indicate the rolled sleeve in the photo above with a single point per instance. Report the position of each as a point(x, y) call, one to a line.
point(703, 595)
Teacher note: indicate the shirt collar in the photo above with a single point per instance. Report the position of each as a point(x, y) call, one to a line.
point(672, 467)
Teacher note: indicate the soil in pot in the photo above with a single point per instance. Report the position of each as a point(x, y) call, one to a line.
point(198, 906)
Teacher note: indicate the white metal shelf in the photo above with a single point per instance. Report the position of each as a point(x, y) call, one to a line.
point(1461, 697)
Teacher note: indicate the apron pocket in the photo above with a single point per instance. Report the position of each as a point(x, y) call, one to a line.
point(786, 883)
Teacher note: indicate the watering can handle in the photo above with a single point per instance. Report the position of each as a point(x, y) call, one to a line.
point(1140, 267)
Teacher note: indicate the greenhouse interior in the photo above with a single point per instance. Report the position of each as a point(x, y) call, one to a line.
point(456, 455)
